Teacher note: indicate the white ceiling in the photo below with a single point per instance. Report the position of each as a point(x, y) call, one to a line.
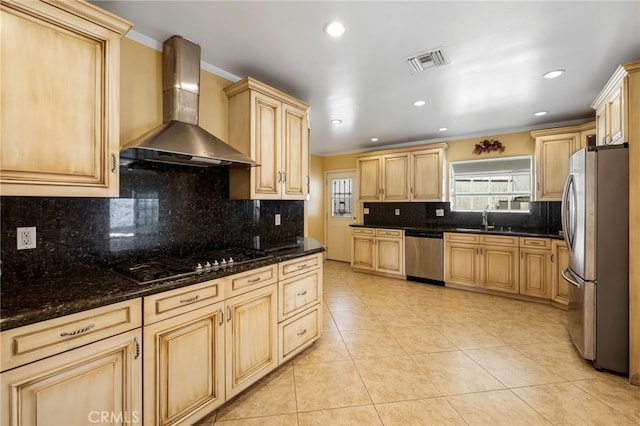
point(498, 52)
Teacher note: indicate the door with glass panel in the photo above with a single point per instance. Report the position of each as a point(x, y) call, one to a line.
point(340, 213)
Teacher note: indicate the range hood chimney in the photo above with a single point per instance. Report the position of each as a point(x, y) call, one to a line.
point(179, 140)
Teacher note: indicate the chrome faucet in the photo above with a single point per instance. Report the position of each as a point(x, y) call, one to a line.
point(485, 221)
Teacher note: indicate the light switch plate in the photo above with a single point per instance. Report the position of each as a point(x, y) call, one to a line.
point(366, 210)
point(277, 219)
point(397, 212)
point(439, 212)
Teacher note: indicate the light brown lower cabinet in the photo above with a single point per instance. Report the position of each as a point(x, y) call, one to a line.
point(99, 383)
point(251, 330)
point(203, 344)
point(535, 267)
point(559, 261)
point(484, 261)
point(527, 266)
point(378, 250)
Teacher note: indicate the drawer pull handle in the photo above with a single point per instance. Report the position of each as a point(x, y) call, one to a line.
point(304, 265)
point(135, 339)
point(302, 332)
point(191, 299)
point(254, 280)
point(302, 293)
point(79, 331)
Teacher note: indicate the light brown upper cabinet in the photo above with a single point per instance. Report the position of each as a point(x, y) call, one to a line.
point(272, 128)
point(60, 94)
point(613, 106)
point(399, 175)
point(553, 147)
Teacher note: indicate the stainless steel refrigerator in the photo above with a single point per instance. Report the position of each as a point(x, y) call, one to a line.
point(595, 222)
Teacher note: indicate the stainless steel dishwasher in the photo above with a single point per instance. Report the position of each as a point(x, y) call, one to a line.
point(424, 256)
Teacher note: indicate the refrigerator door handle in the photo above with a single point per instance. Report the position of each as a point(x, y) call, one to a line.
point(568, 233)
point(567, 271)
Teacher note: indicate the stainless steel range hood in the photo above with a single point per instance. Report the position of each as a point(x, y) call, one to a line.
point(179, 140)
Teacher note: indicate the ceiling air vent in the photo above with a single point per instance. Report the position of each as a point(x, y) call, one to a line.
point(430, 59)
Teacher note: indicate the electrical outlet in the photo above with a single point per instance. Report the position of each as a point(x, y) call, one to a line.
point(397, 212)
point(439, 212)
point(277, 219)
point(366, 210)
point(26, 237)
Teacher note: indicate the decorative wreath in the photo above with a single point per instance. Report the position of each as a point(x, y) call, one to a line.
point(488, 146)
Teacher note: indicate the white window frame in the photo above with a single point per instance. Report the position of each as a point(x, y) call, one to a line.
point(494, 168)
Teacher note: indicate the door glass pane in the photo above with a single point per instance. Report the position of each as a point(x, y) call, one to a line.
point(341, 197)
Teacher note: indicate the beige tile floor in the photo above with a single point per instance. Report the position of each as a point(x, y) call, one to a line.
point(401, 353)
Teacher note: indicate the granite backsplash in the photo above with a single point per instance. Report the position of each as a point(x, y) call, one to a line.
point(162, 209)
point(543, 216)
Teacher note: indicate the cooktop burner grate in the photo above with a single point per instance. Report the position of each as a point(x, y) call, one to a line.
point(166, 268)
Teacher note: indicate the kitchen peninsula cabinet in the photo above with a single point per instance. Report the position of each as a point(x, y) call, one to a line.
point(272, 128)
point(70, 370)
point(401, 175)
point(378, 250)
point(183, 384)
point(61, 65)
point(553, 147)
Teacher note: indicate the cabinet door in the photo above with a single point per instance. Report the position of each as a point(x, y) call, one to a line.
point(615, 120)
point(559, 261)
point(552, 164)
point(267, 116)
point(63, 73)
point(390, 255)
point(362, 252)
point(461, 264)
point(295, 146)
point(369, 174)
point(426, 175)
point(251, 338)
point(499, 268)
point(78, 387)
point(184, 366)
point(535, 273)
point(395, 177)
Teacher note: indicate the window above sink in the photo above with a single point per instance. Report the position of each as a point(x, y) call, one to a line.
point(500, 184)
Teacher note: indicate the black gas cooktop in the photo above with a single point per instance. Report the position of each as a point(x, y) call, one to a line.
point(157, 269)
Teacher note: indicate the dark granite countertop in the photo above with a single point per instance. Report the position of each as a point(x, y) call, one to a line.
point(540, 233)
point(85, 287)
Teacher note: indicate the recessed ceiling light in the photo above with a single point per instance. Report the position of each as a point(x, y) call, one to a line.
point(336, 121)
point(443, 129)
point(553, 74)
point(419, 103)
point(335, 29)
point(374, 139)
point(541, 113)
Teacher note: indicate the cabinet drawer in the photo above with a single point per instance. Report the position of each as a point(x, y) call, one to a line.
point(498, 240)
point(299, 266)
point(541, 243)
point(389, 233)
point(298, 332)
point(36, 341)
point(250, 280)
point(461, 238)
point(299, 293)
point(362, 231)
point(174, 302)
